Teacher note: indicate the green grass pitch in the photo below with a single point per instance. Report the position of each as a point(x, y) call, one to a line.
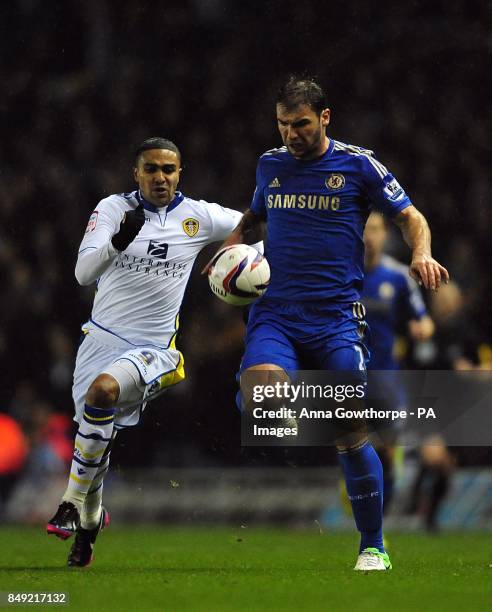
point(213, 570)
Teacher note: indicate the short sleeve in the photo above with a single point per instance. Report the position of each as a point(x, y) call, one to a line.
point(258, 202)
point(383, 190)
point(224, 220)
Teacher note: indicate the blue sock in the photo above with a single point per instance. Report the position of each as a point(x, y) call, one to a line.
point(364, 480)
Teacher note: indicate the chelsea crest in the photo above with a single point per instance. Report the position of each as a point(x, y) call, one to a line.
point(335, 181)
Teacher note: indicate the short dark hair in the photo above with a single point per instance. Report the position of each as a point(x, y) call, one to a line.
point(156, 142)
point(299, 90)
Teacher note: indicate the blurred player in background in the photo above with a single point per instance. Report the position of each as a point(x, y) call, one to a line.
point(456, 345)
point(315, 194)
point(139, 248)
point(392, 299)
point(432, 481)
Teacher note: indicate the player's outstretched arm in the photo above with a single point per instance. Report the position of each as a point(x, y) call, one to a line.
point(244, 229)
point(101, 245)
point(423, 268)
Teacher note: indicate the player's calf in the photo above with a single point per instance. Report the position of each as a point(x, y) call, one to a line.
point(265, 387)
point(93, 436)
point(364, 481)
point(90, 444)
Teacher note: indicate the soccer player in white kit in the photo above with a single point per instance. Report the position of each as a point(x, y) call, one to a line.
point(139, 248)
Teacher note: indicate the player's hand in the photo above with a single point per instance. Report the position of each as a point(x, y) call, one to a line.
point(130, 226)
point(211, 262)
point(428, 272)
point(244, 227)
point(229, 242)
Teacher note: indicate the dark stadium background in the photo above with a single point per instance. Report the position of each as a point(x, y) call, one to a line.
point(83, 82)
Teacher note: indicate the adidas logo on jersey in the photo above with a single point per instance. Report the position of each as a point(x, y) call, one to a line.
point(275, 183)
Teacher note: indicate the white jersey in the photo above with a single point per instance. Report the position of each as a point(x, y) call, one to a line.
point(140, 290)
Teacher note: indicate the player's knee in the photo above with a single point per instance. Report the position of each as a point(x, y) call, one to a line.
point(351, 433)
point(348, 441)
point(103, 392)
point(260, 386)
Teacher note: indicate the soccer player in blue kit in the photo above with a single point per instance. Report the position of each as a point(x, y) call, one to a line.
point(391, 299)
point(315, 194)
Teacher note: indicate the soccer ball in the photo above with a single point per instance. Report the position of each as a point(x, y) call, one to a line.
point(239, 274)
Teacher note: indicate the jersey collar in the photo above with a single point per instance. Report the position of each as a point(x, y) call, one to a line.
point(328, 152)
point(331, 146)
point(178, 198)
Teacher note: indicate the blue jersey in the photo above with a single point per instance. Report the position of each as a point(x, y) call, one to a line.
point(315, 212)
point(390, 296)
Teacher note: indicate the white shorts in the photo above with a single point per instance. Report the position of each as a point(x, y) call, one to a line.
point(158, 369)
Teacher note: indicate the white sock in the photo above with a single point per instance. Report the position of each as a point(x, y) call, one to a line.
point(91, 510)
point(91, 441)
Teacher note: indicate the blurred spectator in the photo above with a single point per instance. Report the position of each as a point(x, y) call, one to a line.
point(457, 344)
point(13, 452)
point(51, 450)
point(52, 446)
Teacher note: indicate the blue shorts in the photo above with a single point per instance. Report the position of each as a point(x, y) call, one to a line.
point(304, 336)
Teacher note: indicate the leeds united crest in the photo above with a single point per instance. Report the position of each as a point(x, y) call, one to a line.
point(191, 226)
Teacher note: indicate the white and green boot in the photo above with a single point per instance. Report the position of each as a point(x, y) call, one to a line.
point(372, 559)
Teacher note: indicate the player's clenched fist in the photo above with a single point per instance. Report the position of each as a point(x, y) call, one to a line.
point(130, 226)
